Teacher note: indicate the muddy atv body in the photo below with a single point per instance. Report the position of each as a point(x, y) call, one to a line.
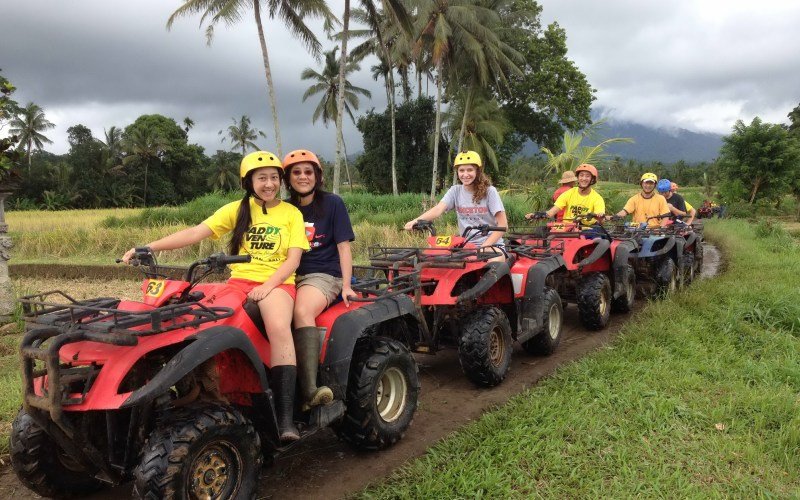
point(477, 305)
point(174, 391)
point(594, 270)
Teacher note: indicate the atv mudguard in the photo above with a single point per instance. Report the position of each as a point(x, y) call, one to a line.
point(531, 306)
point(353, 325)
point(691, 239)
point(599, 250)
point(495, 271)
point(646, 251)
point(622, 255)
point(204, 346)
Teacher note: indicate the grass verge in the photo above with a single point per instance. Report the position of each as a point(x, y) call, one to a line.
point(698, 397)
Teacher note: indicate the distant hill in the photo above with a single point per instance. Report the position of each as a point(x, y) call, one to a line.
point(652, 144)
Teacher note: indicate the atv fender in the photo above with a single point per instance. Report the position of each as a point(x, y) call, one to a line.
point(647, 247)
point(599, 250)
point(494, 272)
point(348, 328)
point(531, 306)
point(621, 258)
point(691, 239)
point(204, 346)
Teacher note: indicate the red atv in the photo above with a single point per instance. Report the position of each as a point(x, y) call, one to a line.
point(593, 269)
point(475, 304)
point(174, 391)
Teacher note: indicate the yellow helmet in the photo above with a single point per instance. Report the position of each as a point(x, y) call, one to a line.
point(468, 158)
point(648, 176)
point(259, 159)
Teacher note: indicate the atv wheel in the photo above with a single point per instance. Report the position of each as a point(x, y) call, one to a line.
point(205, 450)
point(594, 301)
point(381, 394)
point(485, 346)
point(666, 278)
point(698, 259)
point(688, 269)
point(552, 323)
point(44, 467)
point(624, 303)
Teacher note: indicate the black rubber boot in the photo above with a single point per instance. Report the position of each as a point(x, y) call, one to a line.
point(306, 346)
point(284, 378)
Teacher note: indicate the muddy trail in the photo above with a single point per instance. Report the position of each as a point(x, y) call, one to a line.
point(324, 467)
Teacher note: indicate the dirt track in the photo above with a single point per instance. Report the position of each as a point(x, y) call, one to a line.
point(324, 467)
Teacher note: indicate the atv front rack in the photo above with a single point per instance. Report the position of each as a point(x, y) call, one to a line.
point(375, 283)
point(404, 257)
point(97, 318)
point(535, 248)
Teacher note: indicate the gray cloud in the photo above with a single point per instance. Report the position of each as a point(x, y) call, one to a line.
point(696, 65)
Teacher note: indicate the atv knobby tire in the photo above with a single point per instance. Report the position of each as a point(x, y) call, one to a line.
point(624, 303)
point(382, 394)
point(204, 450)
point(688, 269)
point(552, 325)
point(698, 259)
point(594, 301)
point(484, 349)
point(42, 466)
point(666, 277)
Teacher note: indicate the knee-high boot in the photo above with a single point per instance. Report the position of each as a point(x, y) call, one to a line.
point(306, 346)
point(284, 378)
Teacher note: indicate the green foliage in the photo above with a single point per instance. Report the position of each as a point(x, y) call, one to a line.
point(190, 214)
point(697, 394)
point(762, 158)
point(414, 127)
point(327, 84)
point(550, 95)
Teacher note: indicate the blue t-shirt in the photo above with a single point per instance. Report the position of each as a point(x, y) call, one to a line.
point(323, 234)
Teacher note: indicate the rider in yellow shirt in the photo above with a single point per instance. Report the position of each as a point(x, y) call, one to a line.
point(646, 203)
point(580, 200)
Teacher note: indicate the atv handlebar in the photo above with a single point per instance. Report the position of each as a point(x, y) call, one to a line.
point(424, 225)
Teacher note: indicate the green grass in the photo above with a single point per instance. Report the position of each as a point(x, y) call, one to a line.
point(698, 397)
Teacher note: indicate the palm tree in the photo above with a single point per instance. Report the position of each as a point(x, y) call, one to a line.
point(483, 125)
point(396, 12)
point(327, 83)
point(292, 12)
point(145, 145)
point(573, 153)
point(381, 37)
point(224, 171)
point(242, 134)
point(28, 126)
point(188, 123)
point(459, 31)
point(112, 149)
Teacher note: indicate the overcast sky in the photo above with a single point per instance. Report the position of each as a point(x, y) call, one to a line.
point(694, 64)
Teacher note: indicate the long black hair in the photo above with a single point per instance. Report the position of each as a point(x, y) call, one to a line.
point(243, 218)
point(319, 193)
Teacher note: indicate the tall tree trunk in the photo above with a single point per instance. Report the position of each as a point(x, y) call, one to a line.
point(437, 128)
point(30, 146)
point(146, 164)
point(268, 72)
point(347, 166)
point(340, 98)
point(419, 83)
point(461, 134)
point(755, 190)
point(394, 133)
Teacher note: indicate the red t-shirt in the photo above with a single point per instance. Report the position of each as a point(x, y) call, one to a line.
point(564, 188)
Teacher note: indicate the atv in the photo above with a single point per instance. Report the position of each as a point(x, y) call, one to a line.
point(478, 300)
point(660, 260)
point(594, 271)
point(174, 391)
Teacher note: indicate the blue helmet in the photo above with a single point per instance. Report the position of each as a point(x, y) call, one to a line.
point(663, 185)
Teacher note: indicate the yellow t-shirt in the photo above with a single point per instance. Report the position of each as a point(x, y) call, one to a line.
point(641, 208)
point(574, 203)
point(267, 240)
point(689, 208)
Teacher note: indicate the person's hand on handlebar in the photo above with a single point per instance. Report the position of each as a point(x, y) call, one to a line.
point(536, 215)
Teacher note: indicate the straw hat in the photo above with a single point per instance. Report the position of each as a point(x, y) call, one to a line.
point(568, 176)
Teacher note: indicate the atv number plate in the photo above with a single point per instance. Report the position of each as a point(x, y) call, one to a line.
point(444, 241)
point(154, 288)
